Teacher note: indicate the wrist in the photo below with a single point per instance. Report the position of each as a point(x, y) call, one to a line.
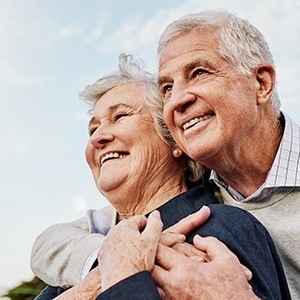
point(111, 277)
point(245, 295)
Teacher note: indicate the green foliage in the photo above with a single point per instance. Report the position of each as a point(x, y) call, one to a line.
point(26, 290)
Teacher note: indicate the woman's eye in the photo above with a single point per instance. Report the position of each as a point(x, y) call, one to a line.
point(166, 90)
point(92, 130)
point(120, 116)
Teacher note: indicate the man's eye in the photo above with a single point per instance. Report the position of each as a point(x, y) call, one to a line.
point(199, 72)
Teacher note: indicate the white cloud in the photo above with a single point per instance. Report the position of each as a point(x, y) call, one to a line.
point(79, 203)
point(67, 32)
point(279, 22)
point(97, 32)
point(288, 80)
point(123, 38)
point(9, 74)
point(80, 117)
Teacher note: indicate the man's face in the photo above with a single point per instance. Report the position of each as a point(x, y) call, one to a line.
point(208, 106)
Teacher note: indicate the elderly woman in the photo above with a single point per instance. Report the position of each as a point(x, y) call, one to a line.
point(138, 168)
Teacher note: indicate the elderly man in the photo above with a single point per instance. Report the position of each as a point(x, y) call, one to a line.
point(217, 78)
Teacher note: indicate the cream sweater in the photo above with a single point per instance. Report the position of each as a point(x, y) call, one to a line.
point(280, 214)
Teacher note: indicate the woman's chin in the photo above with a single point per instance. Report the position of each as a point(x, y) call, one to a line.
point(107, 184)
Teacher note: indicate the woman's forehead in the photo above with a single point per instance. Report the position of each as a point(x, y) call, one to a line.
point(126, 94)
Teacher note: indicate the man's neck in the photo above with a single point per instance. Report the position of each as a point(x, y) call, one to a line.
point(248, 170)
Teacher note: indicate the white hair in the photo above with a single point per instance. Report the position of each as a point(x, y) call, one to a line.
point(132, 72)
point(242, 44)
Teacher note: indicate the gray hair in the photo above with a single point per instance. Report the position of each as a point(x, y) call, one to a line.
point(130, 71)
point(242, 44)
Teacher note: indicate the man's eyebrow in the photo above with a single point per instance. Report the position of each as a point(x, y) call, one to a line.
point(198, 62)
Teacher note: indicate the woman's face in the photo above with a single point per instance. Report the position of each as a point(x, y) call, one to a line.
point(124, 151)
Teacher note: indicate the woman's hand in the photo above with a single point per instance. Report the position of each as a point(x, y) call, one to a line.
point(129, 247)
point(88, 289)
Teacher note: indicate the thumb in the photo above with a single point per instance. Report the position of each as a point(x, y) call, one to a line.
point(153, 227)
point(151, 236)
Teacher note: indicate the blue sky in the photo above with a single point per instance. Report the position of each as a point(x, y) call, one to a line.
point(49, 51)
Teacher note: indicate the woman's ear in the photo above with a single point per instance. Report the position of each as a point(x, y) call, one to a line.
point(177, 152)
point(265, 76)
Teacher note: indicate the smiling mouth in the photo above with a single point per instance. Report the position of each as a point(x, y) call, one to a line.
point(112, 155)
point(195, 121)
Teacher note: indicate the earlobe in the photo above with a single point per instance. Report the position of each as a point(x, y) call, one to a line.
point(177, 153)
point(265, 76)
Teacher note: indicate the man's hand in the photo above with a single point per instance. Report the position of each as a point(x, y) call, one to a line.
point(129, 247)
point(181, 277)
point(175, 235)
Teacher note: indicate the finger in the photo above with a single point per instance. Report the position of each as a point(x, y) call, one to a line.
point(171, 238)
point(247, 272)
point(216, 249)
point(137, 222)
point(160, 276)
point(167, 257)
point(151, 236)
point(191, 222)
point(161, 293)
point(191, 251)
point(153, 228)
point(212, 246)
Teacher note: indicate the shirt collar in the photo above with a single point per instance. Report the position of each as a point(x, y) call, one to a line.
point(285, 170)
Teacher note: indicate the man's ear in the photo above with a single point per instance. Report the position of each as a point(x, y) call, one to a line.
point(265, 76)
point(177, 152)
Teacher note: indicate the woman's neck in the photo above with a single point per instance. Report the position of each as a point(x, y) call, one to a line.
point(152, 198)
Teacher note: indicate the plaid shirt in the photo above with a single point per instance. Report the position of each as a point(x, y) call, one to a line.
point(285, 171)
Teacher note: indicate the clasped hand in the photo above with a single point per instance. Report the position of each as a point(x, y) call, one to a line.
point(206, 270)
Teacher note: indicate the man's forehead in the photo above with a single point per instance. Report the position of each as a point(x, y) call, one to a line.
point(188, 43)
point(194, 60)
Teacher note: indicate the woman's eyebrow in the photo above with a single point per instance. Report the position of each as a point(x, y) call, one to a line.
point(92, 121)
point(162, 80)
point(111, 109)
point(116, 106)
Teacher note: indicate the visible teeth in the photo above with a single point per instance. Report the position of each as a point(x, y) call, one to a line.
point(111, 155)
point(195, 121)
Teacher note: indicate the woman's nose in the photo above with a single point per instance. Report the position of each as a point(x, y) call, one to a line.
point(101, 137)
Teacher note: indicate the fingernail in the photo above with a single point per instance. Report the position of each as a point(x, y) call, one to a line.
point(203, 208)
point(156, 214)
point(197, 238)
point(181, 237)
point(248, 273)
point(198, 258)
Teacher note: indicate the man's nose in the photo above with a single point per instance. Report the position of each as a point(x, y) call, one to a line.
point(181, 97)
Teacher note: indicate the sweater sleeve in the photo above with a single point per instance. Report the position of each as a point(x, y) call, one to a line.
point(60, 252)
point(135, 287)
